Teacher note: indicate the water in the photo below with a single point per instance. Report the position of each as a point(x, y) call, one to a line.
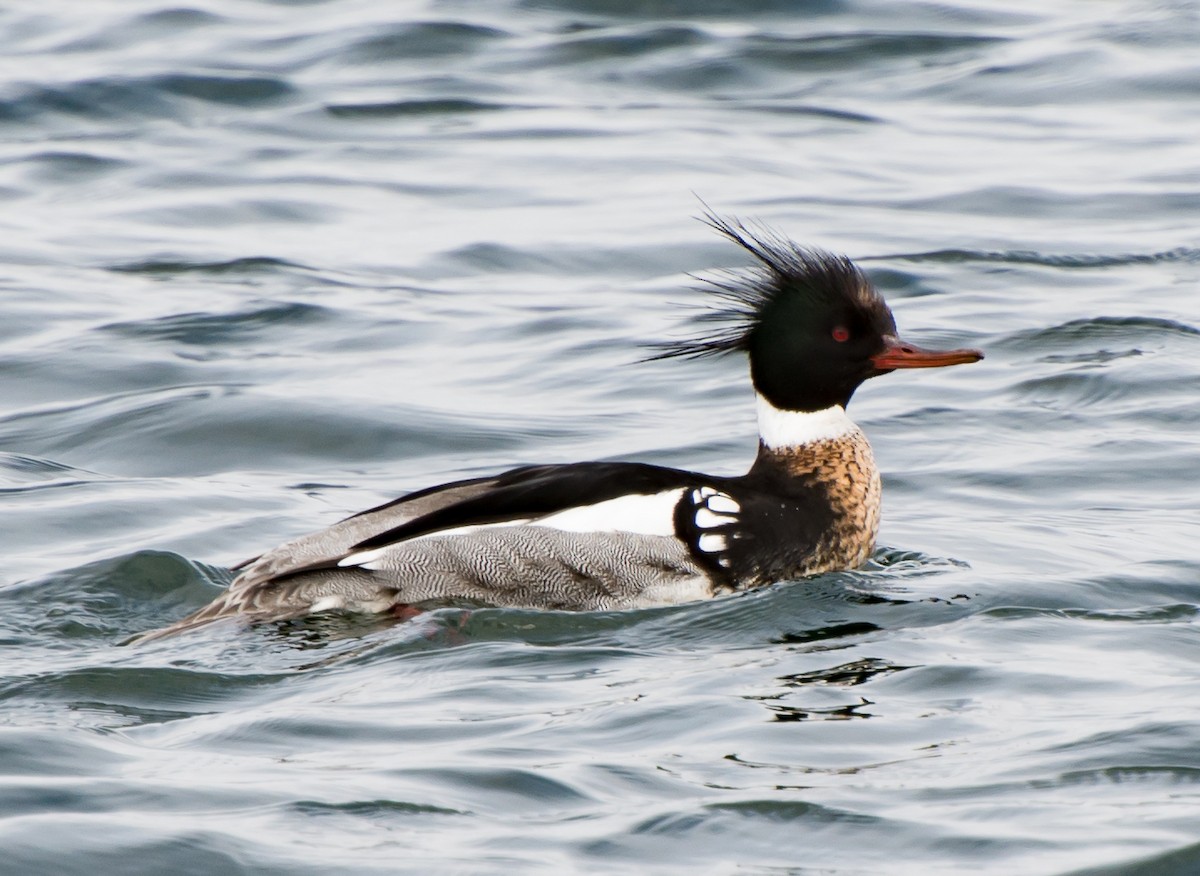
point(266, 264)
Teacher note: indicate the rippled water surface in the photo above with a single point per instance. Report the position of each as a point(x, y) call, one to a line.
point(264, 264)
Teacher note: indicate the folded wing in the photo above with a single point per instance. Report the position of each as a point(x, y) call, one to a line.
point(588, 510)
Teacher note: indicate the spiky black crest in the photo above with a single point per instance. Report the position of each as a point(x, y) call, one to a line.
point(785, 269)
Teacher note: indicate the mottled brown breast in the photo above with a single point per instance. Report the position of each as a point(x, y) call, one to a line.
point(845, 468)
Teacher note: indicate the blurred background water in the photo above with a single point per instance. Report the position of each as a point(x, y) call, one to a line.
point(264, 264)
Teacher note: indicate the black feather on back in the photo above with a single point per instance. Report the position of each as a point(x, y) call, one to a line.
point(784, 269)
point(536, 491)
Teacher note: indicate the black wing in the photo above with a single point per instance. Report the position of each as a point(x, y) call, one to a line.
point(536, 491)
point(523, 493)
point(326, 546)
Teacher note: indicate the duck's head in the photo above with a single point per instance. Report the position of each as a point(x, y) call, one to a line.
point(812, 324)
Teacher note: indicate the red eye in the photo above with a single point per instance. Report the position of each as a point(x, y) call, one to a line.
point(841, 334)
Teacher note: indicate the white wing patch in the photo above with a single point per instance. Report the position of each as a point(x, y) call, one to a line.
point(652, 514)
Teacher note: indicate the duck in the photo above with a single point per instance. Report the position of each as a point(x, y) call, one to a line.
point(604, 535)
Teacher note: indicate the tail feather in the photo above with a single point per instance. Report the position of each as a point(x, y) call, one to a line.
point(254, 600)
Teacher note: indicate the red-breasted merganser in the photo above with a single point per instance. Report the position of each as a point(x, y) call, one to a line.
point(613, 535)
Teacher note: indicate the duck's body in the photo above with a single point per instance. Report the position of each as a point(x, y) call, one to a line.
point(612, 535)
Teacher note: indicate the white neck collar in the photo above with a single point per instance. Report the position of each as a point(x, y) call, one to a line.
point(780, 429)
